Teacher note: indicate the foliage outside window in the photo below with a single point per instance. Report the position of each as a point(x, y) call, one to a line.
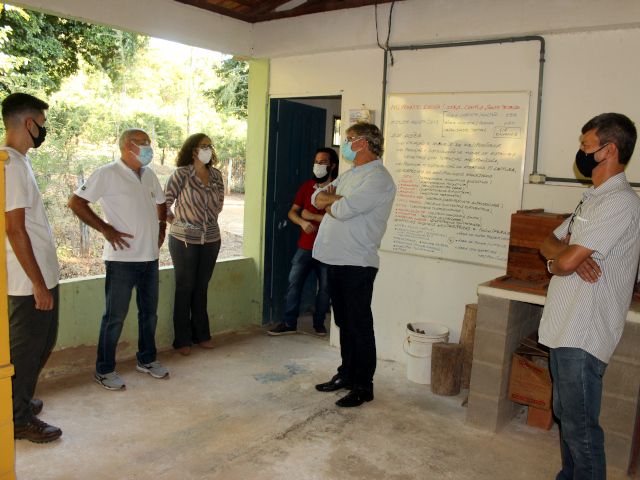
point(99, 81)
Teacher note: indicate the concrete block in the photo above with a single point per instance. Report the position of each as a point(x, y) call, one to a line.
point(617, 449)
point(525, 313)
point(506, 411)
point(617, 415)
point(487, 379)
point(628, 347)
point(622, 378)
point(489, 346)
point(493, 313)
point(482, 412)
point(489, 412)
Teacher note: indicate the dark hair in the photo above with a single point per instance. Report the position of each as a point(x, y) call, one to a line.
point(371, 134)
point(18, 103)
point(333, 159)
point(185, 155)
point(617, 129)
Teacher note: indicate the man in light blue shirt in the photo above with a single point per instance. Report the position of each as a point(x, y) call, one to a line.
point(358, 204)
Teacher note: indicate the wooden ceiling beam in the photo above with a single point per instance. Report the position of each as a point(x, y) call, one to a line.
point(253, 11)
point(318, 6)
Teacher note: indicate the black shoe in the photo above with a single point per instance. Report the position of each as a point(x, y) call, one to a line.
point(336, 383)
point(355, 398)
point(37, 431)
point(36, 406)
point(281, 329)
point(321, 331)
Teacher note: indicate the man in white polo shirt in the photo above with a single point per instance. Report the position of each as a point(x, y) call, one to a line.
point(593, 257)
point(32, 265)
point(134, 205)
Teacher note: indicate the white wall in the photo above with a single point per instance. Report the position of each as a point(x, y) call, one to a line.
point(422, 21)
point(581, 80)
point(165, 19)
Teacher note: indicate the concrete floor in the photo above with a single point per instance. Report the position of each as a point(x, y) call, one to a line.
point(248, 410)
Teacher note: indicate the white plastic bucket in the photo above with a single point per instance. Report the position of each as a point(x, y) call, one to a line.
point(418, 348)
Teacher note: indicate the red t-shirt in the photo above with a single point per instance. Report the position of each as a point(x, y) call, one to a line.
point(303, 199)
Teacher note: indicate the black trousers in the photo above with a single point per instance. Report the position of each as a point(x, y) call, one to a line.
point(351, 289)
point(32, 336)
point(193, 266)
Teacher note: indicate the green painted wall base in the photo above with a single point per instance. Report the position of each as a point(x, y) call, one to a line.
point(233, 305)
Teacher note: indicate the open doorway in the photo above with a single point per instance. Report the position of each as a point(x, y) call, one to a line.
point(297, 128)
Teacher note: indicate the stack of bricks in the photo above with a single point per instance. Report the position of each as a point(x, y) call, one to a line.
point(500, 325)
point(620, 395)
point(504, 318)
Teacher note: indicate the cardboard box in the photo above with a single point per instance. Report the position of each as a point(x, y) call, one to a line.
point(530, 382)
point(536, 417)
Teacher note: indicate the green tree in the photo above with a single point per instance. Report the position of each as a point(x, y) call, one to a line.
point(39, 51)
point(231, 96)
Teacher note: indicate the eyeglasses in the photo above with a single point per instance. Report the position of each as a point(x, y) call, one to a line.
point(206, 147)
point(575, 213)
point(142, 143)
point(352, 139)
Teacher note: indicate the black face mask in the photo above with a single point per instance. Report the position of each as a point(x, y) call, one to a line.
point(42, 133)
point(586, 162)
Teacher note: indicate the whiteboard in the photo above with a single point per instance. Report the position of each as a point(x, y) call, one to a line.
point(458, 162)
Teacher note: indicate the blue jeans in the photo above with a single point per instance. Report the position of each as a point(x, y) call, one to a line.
point(577, 393)
point(301, 266)
point(119, 283)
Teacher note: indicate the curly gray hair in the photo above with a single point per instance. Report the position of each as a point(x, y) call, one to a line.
point(371, 134)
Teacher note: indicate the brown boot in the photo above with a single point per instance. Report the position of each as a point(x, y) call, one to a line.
point(37, 431)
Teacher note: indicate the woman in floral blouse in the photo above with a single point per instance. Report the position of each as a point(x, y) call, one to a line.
point(195, 195)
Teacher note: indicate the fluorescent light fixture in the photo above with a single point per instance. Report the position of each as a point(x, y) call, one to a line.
point(290, 5)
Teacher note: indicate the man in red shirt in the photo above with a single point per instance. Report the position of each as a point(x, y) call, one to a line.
point(308, 218)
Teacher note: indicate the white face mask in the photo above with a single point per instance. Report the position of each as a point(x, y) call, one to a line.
point(320, 170)
point(204, 155)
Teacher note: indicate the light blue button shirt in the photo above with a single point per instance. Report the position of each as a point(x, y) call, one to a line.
point(353, 234)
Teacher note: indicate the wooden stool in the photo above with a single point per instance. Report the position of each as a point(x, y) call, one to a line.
point(446, 368)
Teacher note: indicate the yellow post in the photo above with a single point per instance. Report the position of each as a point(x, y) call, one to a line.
point(7, 451)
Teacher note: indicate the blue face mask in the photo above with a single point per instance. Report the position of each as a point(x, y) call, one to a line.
point(146, 155)
point(347, 153)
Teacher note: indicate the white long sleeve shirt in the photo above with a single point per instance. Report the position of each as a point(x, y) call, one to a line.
point(352, 234)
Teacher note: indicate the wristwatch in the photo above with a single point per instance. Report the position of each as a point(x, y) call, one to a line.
point(549, 263)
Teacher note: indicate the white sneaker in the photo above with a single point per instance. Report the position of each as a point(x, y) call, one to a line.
point(155, 369)
point(110, 381)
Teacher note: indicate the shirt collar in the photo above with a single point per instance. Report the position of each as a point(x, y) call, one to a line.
point(10, 149)
point(611, 184)
point(120, 162)
point(368, 165)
